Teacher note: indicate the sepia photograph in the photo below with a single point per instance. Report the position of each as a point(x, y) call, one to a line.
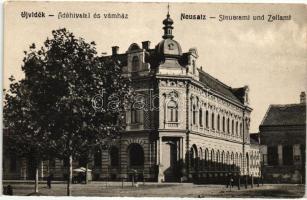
point(154, 99)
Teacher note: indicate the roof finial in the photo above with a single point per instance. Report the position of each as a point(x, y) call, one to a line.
point(168, 25)
point(168, 9)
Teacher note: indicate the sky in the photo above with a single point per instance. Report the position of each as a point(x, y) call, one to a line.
point(269, 57)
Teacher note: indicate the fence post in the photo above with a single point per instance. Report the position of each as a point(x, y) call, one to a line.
point(239, 182)
point(245, 181)
point(143, 178)
point(252, 181)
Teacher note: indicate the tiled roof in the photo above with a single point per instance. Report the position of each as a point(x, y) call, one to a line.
point(217, 86)
point(289, 114)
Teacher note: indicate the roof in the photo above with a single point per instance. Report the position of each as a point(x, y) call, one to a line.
point(281, 115)
point(217, 86)
point(153, 57)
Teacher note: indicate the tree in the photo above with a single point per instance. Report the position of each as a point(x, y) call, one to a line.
point(25, 116)
point(70, 78)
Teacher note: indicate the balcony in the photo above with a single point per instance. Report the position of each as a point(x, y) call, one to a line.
point(172, 124)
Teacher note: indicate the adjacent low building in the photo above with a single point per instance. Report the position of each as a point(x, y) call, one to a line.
point(283, 140)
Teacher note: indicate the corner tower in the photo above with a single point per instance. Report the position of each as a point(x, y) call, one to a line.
point(169, 50)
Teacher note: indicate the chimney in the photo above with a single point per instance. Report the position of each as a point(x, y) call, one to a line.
point(303, 97)
point(146, 45)
point(115, 50)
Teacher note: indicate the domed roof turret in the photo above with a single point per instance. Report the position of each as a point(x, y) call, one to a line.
point(168, 20)
point(168, 47)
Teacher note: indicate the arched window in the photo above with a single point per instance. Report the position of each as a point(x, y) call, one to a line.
point(227, 161)
point(212, 161)
point(114, 156)
point(194, 114)
point(172, 111)
point(240, 129)
point(237, 168)
point(247, 163)
point(232, 127)
point(206, 157)
point(218, 122)
point(136, 155)
point(228, 130)
point(217, 160)
point(212, 121)
point(207, 118)
point(223, 124)
point(236, 128)
point(222, 159)
point(200, 117)
point(135, 63)
point(232, 160)
point(193, 156)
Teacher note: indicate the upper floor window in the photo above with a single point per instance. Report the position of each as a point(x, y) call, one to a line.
point(135, 63)
point(236, 128)
point(135, 118)
point(200, 117)
point(232, 127)
point(218, 122)
point(194, 114)
point(172, 111)
point(228, 130)
point(212, 121)
point(223, 124)
point(207, 118)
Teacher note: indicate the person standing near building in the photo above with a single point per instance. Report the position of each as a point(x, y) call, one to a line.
point(49, 179)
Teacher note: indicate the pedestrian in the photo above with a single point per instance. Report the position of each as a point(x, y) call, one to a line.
point(4, 190)
point(9, 190)
point(230, 182)
point(49, 179)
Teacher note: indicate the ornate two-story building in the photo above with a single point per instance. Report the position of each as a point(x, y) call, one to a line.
point(184, 124)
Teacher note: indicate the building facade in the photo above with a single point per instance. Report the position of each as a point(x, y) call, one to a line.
point(184, 124)
point(283, 142)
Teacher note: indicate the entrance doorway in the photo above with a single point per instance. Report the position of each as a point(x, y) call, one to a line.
point(170, 161)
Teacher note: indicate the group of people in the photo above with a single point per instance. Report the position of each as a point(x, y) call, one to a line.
point(8, 190)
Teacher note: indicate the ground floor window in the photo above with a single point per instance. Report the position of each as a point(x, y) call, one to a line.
point(136, 155)
point(97, 159)
point(287, 155)
point(114, 156)
point(272, 155)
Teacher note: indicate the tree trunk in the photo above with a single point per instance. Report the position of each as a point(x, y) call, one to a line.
point(36, 178)
point(69, 180)
point(86, 176)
